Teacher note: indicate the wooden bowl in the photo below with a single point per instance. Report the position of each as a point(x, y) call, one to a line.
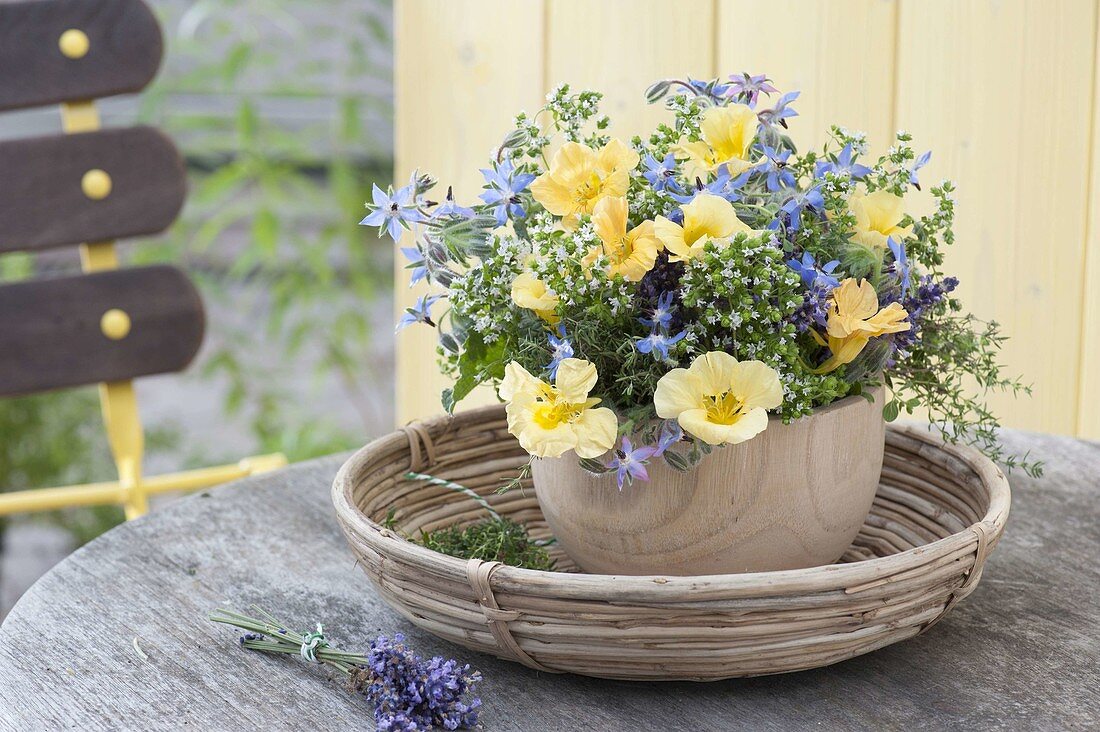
point(939, 511)
point(794, 496)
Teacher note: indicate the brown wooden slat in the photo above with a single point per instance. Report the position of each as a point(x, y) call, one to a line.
point(50, 335)
point(42, 203)
point(124, 50)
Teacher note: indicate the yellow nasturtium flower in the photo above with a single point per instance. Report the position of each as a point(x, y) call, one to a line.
point(630, 253)
point(706, 218)
point(580, 176)
point(878, 216)
point(719, 399)
point(528, 291)
point(854, 319)
point(727, 133)
point(549, 420)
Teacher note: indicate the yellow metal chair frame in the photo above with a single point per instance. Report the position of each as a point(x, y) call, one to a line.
point(120, 410)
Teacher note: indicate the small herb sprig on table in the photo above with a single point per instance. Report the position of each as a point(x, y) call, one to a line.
point(408, 693)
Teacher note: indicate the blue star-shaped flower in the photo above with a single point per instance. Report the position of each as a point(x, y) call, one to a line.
point(845, 165)
point(393, 210)
point(503, 192)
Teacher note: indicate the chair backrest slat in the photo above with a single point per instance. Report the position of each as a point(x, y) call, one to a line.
point(92, 186)
point(115, 48)
point(54, 333)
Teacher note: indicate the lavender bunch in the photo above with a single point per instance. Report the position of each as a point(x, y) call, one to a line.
point(407, 693)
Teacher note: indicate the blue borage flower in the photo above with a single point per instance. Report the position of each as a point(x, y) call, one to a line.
point(561, 348)
point(844, 165)
point(661, 317)
point(660, 173)
point(629, 462)
point(747, 89)
point(450, 207)
point(774, 168)
point(391, 211)
point(901, 262)
point(420, 312)
point(671, 433)
point(505, 185)
point(813, 275)
point(657, 343)
point(781, 112)
point(917, 165)
point(724, 186)
point(795, 205)
point(416, 264)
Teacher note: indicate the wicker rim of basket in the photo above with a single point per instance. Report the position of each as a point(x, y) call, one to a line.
point(418, 441)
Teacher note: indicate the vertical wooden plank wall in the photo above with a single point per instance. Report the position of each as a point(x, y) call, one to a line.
point(839, 54)
point(620, 47)
point(463, 69)
point(1088, 400)
point(1003, 91)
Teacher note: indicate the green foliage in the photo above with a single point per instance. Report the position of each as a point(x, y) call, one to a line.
point(306, 272)
point(490, 540)
point(270, 230)
point(56, 439)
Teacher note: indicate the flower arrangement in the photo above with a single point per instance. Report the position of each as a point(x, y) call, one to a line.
point(660, 297)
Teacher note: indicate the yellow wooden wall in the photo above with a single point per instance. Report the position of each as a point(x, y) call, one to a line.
point(1003, 91)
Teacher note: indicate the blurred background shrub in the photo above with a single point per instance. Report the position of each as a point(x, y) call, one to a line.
point(283, 112)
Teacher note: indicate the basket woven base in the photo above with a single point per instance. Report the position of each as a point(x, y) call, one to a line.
point(938, 512)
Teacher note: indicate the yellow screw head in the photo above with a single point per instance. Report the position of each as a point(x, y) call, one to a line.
point(115, 324)
point(74, 43)
point(96, 184)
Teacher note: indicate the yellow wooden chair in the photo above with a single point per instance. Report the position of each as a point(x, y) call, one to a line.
point(90, 187)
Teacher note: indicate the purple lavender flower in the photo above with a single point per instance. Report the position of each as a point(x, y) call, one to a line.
point(901, 262)
point(781, 112)
point(671, 433)
point(796, 204)
point(505, 187)
point(917, 165)
point(845, 165)
point(814, 311)
point(562, 349)
point(393, 211)
point(748, 88)
point(813, 275)
point(926, 296)
point(774, 166)
point(410, 694)
point(416, 264)
point(657, 343)
point(661, 317)
point(421, 312)
point(450, 207)
point(660, 173)
point(628, 462)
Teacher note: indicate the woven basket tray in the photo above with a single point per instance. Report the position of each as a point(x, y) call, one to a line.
point(939, 511)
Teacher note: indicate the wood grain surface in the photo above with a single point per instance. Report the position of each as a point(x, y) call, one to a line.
point(793, 496)
point(50, 334)
point(43, 203)
point(124, 50)
point(1019, 654)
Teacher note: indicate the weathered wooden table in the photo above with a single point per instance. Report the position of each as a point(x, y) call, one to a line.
point(1023, 652)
